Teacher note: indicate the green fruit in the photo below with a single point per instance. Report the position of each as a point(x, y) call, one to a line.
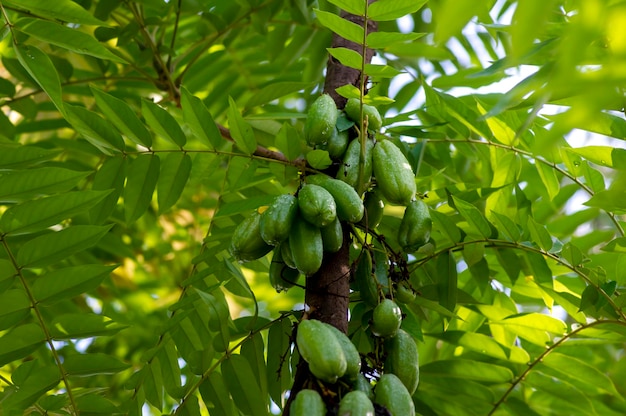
point(307, 403)
point(386, 319)
point(403, 359)
point(368, 288)
point(320, 120)
point(361, 383)
point(349, 171)
point(353, 359)
point(415, 226)
point(276, 221)
point(374, 209)
point(393, 173)
point(391, 393)
point(404, 293)
point(307, 249)
point(353, 110)
point(319, 347)
point(317, 205)
point(247, 243)
point(337, 144)
point(332, 236)
point(282, 277)
point(348, 203)
point(285, 253)
point(356, 403)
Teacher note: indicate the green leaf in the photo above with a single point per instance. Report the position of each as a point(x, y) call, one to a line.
point(110, 176)
point(253, 350)
point(39, 214)
point(240, 130)
point(393, 9)
point(20, 185)
point(174, 175)
point(63, 10)
point(339, 25)
point(96, 130)
point(557, 394)
point(243, 387)
point(170, 369)
point(93, 403)
point(549, 179)
point(200, 121)
point(92, 364)
point(278, 372)
point(39, 381)
point(351, 6)
point(347, 57)
point(288, 141)
point(467, 369)
point(276, 90)
point(19, 342)
point(51, 248)
point(82, 325)
point(380, 40)
point(476, 342)
point(534, 327)
point(529, 19)
point(447, 280)
point(216, 396)
point(65, 37)
point(13, 156)
point(607, 156)
point(163, 123)
point(14, 306)
point(381, 71)
point(40, 67)
point(447, 226)
point(473, 216)
point(319, 159)
point(68, 282)
point(609, 200)
point(539, 234)
point(123, 117)
point(143, 175)
point(507, 226)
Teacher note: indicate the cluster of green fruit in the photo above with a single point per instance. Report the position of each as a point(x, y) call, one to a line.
point(332, 356)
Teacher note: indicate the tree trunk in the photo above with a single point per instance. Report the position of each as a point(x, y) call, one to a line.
point(328, 290)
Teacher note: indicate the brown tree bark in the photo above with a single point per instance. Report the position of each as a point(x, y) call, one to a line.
point(328, 290)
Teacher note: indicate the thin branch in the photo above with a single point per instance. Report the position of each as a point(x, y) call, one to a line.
point(543, 355)
point(42, 324)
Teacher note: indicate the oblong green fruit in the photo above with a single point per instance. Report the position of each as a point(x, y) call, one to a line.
point(319, 347)
point(332, 236)
point(285, 253)
point(349, 171)
point(307, 403)
point(247, 243)
point(361, 383)
point(391, 393)
point(307, 249)
point(404, 293)
point(317, 205)
point(403, 359)
point(348, 203)
point(356, 403)
point(368, 287)
point(320, 120)
point(338, 143)
point(386, 319)
point(277, 219)
point(282, 277)
point(353, 359)
point(353, 110)
point(374, 209)
point(415, 226)
point(393, 173)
